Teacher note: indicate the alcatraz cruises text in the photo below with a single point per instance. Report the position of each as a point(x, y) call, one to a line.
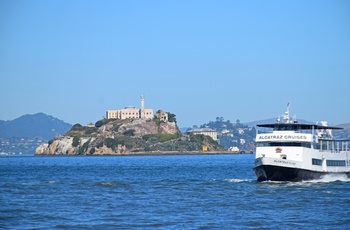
point(282, 137)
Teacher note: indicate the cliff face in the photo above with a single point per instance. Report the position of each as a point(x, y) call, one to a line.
point(112, 137)
point(61, 145)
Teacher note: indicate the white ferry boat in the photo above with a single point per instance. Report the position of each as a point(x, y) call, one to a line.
point(289, 151)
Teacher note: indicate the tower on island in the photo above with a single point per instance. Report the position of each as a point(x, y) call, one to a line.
point(131, 112)
point(142, 110)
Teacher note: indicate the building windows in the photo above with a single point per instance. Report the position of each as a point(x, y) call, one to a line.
point(129, 113)
point(335, 163)
point(316, 161)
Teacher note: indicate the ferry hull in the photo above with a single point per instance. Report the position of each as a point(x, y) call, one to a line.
point(280, 173)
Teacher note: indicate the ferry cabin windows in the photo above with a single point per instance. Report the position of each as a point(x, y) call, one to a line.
point(295, 144)
point(316, 161)
point(331, 163)
point(335, 163)
point(290, 144)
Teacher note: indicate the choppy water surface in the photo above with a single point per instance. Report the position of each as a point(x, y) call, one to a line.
point(162, 192)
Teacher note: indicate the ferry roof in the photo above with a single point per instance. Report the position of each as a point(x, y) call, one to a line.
point(297, 126)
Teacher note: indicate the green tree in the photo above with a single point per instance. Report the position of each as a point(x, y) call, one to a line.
point(77, 127)
point(84, 148)
point(171, 117)
point(90, 130)
point(76, 141)
point(110, 143)
point(98, 124)
point(238, 122)
point(99, 144)
point(102, 122)
point(129, 132)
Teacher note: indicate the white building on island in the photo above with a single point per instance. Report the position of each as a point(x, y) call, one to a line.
point(205, 131)
point(131, 112)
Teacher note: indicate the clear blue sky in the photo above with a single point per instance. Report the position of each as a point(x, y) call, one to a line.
point(198, 59)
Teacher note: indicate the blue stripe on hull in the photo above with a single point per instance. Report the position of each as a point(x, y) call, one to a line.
point(277, 173)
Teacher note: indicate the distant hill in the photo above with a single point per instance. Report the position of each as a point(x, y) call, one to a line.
point(345, 126)
point(344, 133)
point(38, 125)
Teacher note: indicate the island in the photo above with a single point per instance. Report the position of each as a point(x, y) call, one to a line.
point(133, 135)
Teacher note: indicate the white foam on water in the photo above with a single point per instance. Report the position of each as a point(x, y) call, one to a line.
point(330, 178)
point(106, 184)
point(53, 181)
point(234, 180)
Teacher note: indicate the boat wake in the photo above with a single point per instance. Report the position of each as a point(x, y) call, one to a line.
point(330, 178)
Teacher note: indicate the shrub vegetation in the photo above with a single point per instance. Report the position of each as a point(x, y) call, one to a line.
point(160, 137)
point(77, 127)
point(84, 148)
point(76, 141)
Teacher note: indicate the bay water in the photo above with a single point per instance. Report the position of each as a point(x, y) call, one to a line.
point(162, 192)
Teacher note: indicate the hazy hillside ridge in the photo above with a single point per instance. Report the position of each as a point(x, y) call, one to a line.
point(24, 134)
point(232, 134)
point(37, 125)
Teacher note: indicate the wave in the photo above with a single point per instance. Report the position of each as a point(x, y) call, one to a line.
point(235, 180)
point(116, 184)
point(106, 184)
point(53, 181)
